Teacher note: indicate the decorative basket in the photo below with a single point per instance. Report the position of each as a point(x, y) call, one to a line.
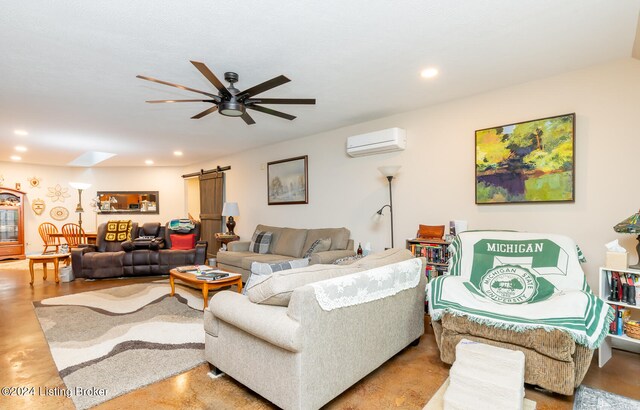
point(632, 329)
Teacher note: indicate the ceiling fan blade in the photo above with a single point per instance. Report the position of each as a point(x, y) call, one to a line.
point(182, 87)
point(175, 101)
point(272, 112)
point(212, 78)
point(281, 101)
point(262, 87)
point(205, 112)
point(247, 118)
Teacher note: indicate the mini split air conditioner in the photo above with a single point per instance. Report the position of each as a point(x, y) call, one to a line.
point(377, 142)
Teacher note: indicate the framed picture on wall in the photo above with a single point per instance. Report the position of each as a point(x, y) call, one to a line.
point(287, 181)
point(525, 162)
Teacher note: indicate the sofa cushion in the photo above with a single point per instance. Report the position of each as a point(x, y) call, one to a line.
point(320, 245)
point(278, 287)
point(339, 237)
point(266, 258)
point(387, 257)
point(233, 258)
point(260, 242)
point(290, 242)
point(275, 234)
point(184, 242)
point(260, 271)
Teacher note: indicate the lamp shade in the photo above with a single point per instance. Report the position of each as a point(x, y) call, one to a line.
point(79, 185)
point(389, 170)
point(629, 225)
point(230, 209)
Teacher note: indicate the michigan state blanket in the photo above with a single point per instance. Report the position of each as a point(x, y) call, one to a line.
point(520, 281)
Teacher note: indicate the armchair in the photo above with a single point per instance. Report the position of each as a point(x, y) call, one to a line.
point(521, 291)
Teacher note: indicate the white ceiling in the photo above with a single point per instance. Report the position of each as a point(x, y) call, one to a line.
point(68, 67)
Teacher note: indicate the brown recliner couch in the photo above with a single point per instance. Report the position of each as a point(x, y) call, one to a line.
point(154, 256)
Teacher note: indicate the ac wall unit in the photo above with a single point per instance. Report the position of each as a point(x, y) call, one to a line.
point(377, 142)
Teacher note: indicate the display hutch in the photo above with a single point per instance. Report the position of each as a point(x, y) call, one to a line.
point(11, 224)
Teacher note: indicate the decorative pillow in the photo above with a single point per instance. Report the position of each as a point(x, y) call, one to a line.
point(320, 245)
point(260, 271)
point(118, 231)
point(260, 242)
point(430, 232)
point(184, 242)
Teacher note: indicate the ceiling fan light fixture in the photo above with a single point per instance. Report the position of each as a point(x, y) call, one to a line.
point(231, 109)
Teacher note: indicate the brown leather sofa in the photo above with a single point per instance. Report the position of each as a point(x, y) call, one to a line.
point(153, 257)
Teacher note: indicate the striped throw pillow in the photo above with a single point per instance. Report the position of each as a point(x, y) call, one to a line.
point(260, 242)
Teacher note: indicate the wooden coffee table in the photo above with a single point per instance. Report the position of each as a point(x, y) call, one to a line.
point(205, 285)
point(54, 258)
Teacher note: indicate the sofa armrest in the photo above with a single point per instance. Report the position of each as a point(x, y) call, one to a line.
point(329, 257)
point(76, 258)
point(270, 323)
point(201, 253)
point(238, 246)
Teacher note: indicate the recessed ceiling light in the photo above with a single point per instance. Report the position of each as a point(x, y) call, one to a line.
point(149, 162)
point(20, 132)
point(21, 148)
point(16, 157)
point(429, 72)
point(177, 153)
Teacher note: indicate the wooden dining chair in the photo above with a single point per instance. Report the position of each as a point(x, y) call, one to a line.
point(45, 230)
point(73, 235)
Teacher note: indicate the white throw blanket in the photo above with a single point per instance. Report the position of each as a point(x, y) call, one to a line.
point(520, 281)
point(368, 285)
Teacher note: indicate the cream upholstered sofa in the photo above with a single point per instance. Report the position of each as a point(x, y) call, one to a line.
point(296, 354)
point(286, 244)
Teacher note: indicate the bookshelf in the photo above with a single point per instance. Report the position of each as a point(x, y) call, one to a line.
point(435, 251)
point(623, 341)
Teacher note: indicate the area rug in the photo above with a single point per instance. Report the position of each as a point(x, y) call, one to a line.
point(587, 398)
point(116, 340)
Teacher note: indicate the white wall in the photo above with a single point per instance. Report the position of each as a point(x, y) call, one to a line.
point(166, 180)
point(436, 182)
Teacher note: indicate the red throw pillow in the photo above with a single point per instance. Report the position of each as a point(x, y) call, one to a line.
point(185, 242)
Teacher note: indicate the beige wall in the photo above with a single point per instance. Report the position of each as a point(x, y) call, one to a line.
point(167, 181)
point(436, 182)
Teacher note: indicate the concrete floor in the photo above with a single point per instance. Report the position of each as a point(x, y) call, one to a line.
point(407, 381)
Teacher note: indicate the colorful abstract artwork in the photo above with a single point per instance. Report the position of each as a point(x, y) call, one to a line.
point(530, 161)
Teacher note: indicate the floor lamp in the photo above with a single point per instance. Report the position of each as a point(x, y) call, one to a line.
point(79, 186)
point(389, 172)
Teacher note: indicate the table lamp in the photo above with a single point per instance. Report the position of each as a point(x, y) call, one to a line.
point(230, 209)
point(631, 225)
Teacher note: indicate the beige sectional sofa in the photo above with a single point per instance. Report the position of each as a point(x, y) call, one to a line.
point(299, 347)
point(286, 244)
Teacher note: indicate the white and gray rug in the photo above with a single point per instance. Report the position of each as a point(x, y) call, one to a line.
point(587, 398)
point(122, 338)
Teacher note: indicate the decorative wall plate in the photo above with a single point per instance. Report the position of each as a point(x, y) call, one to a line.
point(59, 213)
point(58, 193)
point(38, 206)
point(34, 182)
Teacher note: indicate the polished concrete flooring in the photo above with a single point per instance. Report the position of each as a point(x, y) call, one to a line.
point(407, 381)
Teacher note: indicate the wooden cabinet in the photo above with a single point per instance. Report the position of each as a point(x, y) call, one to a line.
point(11, 224)
point(435, 251)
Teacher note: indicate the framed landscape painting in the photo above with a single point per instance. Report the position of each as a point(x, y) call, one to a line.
point(287, 181)
point(531, 161)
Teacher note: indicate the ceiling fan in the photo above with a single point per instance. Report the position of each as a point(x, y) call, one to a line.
point(232, 102)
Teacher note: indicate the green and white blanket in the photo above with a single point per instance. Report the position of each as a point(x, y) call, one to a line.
point(520, 281)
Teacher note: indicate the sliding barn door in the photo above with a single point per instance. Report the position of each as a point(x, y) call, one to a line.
point(211, 197)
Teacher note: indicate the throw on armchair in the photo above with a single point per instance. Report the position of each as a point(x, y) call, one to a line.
point(152, 256)
point(521, 291)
